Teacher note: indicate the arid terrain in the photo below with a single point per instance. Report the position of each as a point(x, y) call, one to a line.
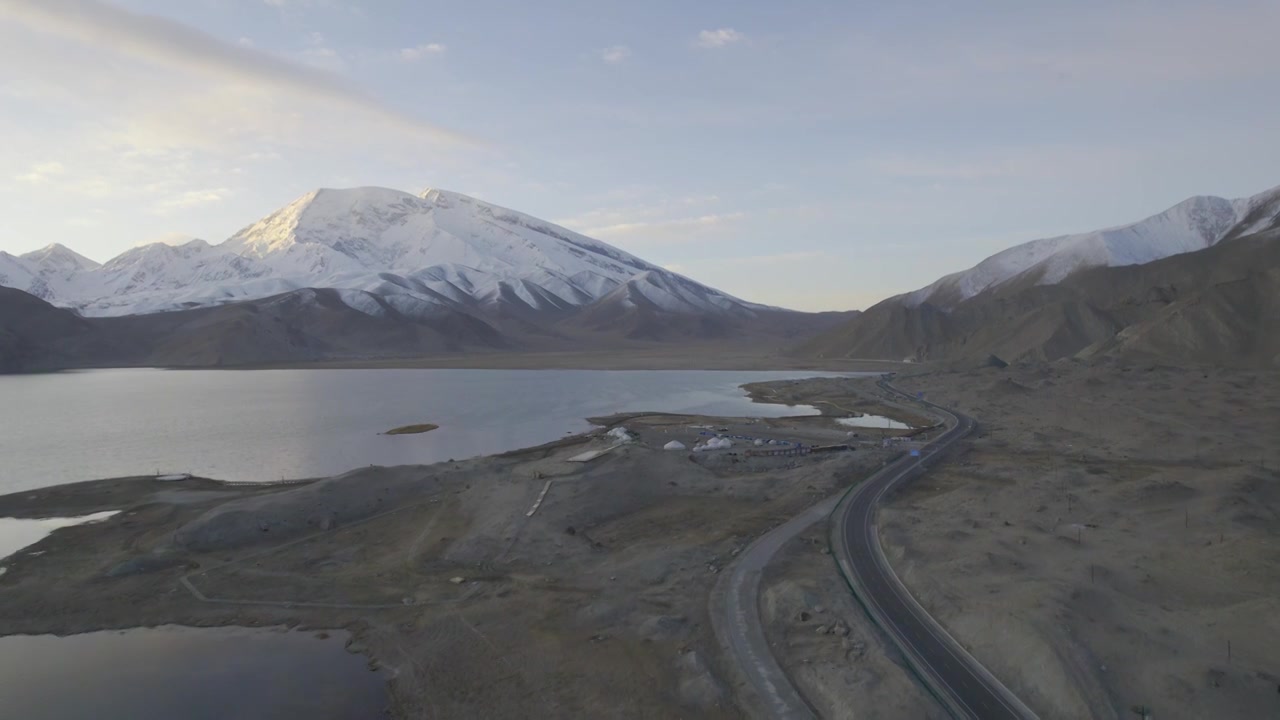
point(1097, 545)
point(1109, 540)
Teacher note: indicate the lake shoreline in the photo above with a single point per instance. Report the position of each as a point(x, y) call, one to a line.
point(381, 549)
point(272, 425)
point(713, 357)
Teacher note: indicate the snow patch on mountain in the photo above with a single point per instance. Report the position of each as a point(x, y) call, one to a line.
point(18, 273)
point(362, 301)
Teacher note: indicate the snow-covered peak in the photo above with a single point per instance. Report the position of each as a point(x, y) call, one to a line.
point(330, 232)
point(1193, 224)
point(1258, 213)
point(157, 254)
point(58, 257)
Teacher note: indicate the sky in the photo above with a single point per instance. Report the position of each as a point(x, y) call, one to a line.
point(818, 155)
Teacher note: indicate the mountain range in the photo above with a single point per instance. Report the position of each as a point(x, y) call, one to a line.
point(1199, 282)
point(373, 273)
point(419, 254)
point(370, 273)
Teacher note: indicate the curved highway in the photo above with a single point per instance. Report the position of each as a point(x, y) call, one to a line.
point(966, 688)
point(963, 686)
point(735, 617)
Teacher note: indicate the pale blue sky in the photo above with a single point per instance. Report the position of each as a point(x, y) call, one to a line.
point(816, 155)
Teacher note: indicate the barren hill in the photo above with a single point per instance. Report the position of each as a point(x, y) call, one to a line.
point(1215, 306)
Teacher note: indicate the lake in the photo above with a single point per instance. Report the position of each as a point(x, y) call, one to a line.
point(268, 425)
point(190, 673)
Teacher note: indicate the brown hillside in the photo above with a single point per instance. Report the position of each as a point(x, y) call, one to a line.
point(1217, 306)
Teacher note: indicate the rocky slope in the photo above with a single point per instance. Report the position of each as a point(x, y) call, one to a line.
point(35, 335)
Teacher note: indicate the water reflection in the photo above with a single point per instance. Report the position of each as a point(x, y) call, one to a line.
point(190, 673)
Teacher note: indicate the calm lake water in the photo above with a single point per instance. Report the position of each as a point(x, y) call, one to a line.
point(190, 673)
point(16, 534)
point(265, 425)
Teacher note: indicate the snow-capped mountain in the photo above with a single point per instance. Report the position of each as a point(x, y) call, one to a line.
point(1193, 224)
point(18, 273)
point(58, 261)
point(45, 272)
point(433, 252)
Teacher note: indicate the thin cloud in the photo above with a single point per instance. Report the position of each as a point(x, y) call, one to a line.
point(42, 173)
point(917, 168)
point(676, 229)
point(413, 54)
point(799, 256)
point(639, 213)
point(172, 44)
point(192, 198)
point(719, 38)
point(616, 54)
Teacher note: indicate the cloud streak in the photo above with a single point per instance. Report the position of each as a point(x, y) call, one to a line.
point(172, 44)
point(723, 37)
point(192, 198)
point(616, 54)
point(42, 173)
point(418, 52)
point(675, 229)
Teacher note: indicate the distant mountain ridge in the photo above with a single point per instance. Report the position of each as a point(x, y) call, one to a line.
point(1193, 224)
point(1199, 282)
point(1216, 306)
point(372, 273)
point(431, 251)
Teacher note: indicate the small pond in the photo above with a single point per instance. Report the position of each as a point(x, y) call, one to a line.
point(874, 421)
point(189, 673)
point(16, 533)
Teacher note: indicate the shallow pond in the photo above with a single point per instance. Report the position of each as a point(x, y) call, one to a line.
point(874, 421)
point(189, 673)
point(16, 533)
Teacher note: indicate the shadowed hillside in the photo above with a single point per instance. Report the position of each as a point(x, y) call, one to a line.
point(1216, 306)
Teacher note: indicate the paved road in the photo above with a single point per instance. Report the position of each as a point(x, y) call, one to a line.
point(960, 682)
point(735, 616)
point(966, 688)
